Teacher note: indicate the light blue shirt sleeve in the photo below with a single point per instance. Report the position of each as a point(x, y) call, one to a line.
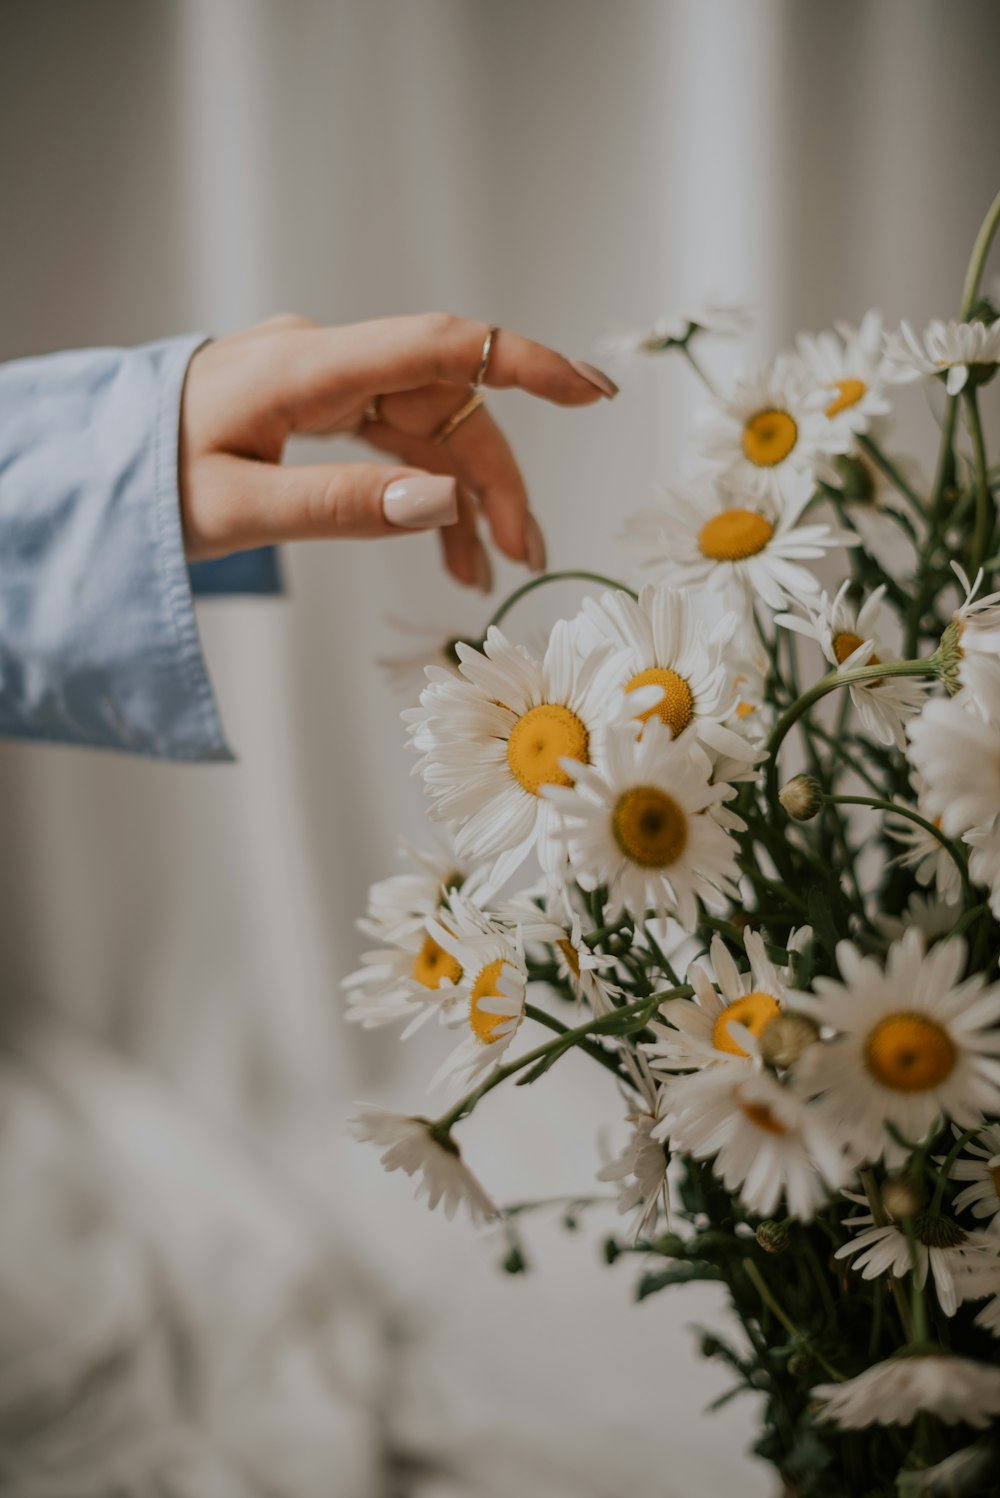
point(98, 640)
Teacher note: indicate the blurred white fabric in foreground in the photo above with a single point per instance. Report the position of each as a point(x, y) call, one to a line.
point(180, 1276)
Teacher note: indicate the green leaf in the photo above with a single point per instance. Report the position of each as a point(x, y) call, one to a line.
point(677, 1274)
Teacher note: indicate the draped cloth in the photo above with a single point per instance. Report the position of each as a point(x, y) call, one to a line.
point(176, 1073)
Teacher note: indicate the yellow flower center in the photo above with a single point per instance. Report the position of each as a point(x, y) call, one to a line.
point(755, 1010)
point(482, 1023)
point(540, 738)
point(769, 437)
point(676, 707)
point(909, 1052)
point(734, 535)
point(849, 392)
point(649, 827)
point(744, 709)
point(571, 955)
point(761, 1116)
point(433, 966)
point(846, 644)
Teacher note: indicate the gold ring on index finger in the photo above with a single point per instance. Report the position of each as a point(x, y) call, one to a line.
point(454, 421)
point(484, 358)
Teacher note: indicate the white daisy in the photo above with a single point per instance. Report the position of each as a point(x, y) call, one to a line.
point(940, 1247)
point(980, 1166)
point(406, 673)
point(644, 826)
point(494, 986)
point(849, 637)
point(956, 350)
point(673, 665)
point(642, 1165)
point(560, 927)
point(935, 918)
point(698, 1030)
point(957, 754)
point(957, 1390)
point(491, 741)
point(848, 365)
point(912, 1043)
point(400, 904)
point(745, 548)
point(768, 436)
point(411, 1144)
point(410, 980)
point(766, 1142)
point(989, 1317)
point(678, 328)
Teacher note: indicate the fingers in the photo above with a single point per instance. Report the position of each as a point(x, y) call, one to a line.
point(404, 353)
point(241, 503)
point(465, 555)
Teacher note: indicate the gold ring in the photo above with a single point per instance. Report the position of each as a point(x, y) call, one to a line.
point(463, 413)
point(484, 358)
point(373, 410)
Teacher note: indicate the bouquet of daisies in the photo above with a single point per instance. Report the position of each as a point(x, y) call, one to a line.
point(746, 821)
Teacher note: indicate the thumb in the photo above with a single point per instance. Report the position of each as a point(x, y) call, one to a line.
point(274, 503)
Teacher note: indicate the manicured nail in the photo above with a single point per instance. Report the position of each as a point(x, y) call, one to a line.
point(421, 503)
point(482, 572)
point(597, 377)
point(534, 544)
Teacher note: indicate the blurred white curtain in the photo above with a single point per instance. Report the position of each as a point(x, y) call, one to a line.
point(568, 168)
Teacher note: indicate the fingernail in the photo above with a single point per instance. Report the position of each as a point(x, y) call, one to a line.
point(482, 572)
point(534, 544)
point(597, 377)
point(421, 503)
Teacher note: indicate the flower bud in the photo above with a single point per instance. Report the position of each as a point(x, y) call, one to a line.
point(902, 1197)
point(949, 656)
point(802, 797)
point(773, 1236)
point(785, 1037)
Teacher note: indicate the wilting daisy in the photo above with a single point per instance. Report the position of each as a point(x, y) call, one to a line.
point(411, 1144)
point(768, 436)
point(745, 548)
point(558, 926)
point(672, 664)
point(642, 1165)
point(699, 1030)
point(849, 637)
point(766, 1142)
point(644, 826)
point(849, 366)
point(494, 984)
point(913, 1043)
point(491, 741)
point(979, 1164)
point(940, 1246)
point(957, 1390)
point(678, 328)
point(958, 351)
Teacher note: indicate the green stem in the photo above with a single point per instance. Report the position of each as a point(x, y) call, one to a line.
point(907, 812)
point(977, 259)
point(553, 577)
point(918, 1304)
point(703, 377)
point(892, 473)
point(641, 1010)
point(949, 1160)
point(605, 1058)
point(776, 1309)
point(829, 683)
point(984, 505)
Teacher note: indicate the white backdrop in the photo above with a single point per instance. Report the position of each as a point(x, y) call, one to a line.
point(566, 167)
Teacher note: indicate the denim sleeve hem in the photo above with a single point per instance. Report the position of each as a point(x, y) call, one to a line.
point(172, 565)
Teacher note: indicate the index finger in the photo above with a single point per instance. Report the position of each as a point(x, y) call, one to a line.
point(404, 353)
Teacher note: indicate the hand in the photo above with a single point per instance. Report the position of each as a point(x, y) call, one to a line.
point(246, 394)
